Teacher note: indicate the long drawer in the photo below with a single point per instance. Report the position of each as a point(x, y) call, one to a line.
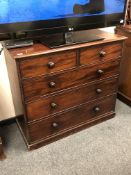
point(40, 65)
point(101, 53)
point(56, 103)
point(37, 87)
point(63, 122)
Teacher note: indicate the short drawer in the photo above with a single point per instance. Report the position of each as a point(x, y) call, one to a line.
point(37, 87)
point(67, 121)
point(97, 54)
point(41, 65)
point(56, 103)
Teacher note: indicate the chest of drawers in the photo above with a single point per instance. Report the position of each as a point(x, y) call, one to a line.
point(67, 89)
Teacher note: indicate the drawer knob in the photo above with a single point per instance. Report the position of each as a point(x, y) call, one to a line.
point(100, 72)
point(51, 65)
point(52, 84)
point(98, 91)
point(53, 105)
point(55, 125)
point(96, 109)
point(102, 53)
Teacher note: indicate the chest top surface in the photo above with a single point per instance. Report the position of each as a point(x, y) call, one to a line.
point(40, 49)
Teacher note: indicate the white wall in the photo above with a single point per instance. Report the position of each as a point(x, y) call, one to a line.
point(108, 29)
point(10, 105)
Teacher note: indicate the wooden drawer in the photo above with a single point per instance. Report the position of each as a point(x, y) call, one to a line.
point(100, 53)
point(67, 121)
point(33, 88)
point(41, 65)
point(56, 103)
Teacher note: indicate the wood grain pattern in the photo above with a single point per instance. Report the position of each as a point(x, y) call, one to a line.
point(39, 49)
point(76, 90)
point(40, 86)
point(80, 115)
point(39, 65)
point(125, 69)
point(93, 55)
point(42, 107)
point(39, 143)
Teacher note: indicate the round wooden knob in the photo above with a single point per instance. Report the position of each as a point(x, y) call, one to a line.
point(98, 91)
point(51, 65)
point(102, 53)
point(55, 125)
point(100, 72)
point(52, 84)
point(53, 105)
point(96, 109)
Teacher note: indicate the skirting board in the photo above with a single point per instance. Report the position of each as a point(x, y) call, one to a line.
point(124, 98)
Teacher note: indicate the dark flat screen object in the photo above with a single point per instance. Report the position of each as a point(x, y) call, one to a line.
point(70, 38)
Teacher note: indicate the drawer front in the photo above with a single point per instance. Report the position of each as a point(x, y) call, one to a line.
point(33, 88)
point(70, 119)
point(47, 64)
point(56, 103)
point(98, 54)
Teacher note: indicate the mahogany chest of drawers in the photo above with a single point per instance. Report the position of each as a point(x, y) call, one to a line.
point(67, 89)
